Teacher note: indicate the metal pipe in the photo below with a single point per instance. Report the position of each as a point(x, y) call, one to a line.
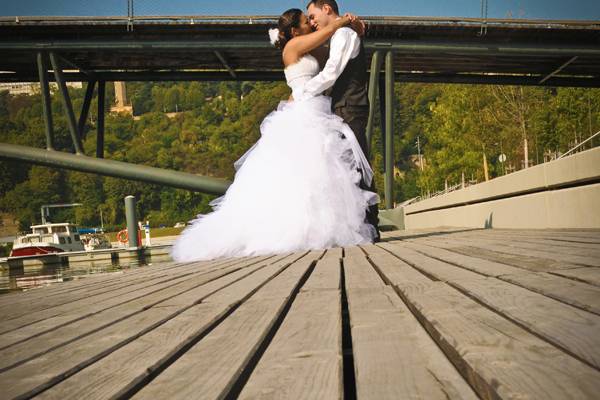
point(226, 64)
point(526, 49)
point(492, 79)
point(90, 74)
point(136, 76)
point(556, 71)
point(131, 218)
point(399, 46)
point(46, 100)
point(373, 82)
point(271, 19)
point(127, 45)
point(68, 106)
point(269, 76)
point(115, 169)
point(100, 121)
point(389, 130)
point(85, 108)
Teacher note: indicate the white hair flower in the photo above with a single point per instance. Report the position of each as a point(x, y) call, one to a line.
point(274, 35)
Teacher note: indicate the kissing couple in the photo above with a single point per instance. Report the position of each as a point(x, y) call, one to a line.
point(306, 184)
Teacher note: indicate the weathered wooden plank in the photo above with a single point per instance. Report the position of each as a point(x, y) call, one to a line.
point(591, 258)
point(36, 323)
point(500, 247)
point(588, 275)
point(499, 359)
point(42, 301)
point(84, 282)
point(413, 233)
point(359, 273)
point(394, 357)
point(578, 239)
point(44, 372)
point(214, 364)
point(96, 280)
point(479, 265)
point(395, 270)
point(27, 305)
point(552, 242)
point(80, 327)
point(304, 359)
point(526, 262)
point(576, 236)
point(581, 235)
point(571, 329)
point(577, 294)
point(327, 274)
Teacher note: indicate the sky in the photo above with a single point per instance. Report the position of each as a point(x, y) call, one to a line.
point(534, 9)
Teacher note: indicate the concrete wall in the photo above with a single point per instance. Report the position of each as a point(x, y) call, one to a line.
point(560, 194)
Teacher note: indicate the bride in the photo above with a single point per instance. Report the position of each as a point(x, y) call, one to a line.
point(297, 188)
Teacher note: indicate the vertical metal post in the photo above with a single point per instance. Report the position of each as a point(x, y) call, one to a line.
point(46, 101)
point(382, 113)
point(100, 122)
point(66, 100)
point(85, 108)
point(389, 130)
point(373, 82)
point(132, 226)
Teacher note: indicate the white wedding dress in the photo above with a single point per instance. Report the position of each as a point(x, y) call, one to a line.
point(295, 189)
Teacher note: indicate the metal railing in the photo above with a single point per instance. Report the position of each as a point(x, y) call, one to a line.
point(465, 184)
point(579, 145)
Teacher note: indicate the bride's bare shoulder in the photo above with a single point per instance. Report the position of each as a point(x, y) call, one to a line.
point(289, 55)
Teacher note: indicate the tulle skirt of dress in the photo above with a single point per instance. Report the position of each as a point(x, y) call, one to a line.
point(295, 189)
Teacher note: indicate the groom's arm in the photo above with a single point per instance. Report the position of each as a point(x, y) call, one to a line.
point(344, 46)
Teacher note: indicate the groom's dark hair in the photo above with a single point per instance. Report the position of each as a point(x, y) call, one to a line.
point(321, 3)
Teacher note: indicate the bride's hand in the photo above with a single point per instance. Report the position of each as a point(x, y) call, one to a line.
point(356, 24)
point(346, 20)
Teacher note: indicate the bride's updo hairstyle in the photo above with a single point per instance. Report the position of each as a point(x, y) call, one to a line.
point(288, 20)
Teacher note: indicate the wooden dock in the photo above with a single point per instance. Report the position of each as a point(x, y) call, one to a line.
point(492, 314)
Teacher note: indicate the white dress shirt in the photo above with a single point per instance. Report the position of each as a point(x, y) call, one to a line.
point(344, 46)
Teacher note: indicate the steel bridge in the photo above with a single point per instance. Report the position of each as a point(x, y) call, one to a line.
point(200, 48)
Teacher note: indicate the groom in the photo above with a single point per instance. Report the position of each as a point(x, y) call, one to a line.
point(344, 78)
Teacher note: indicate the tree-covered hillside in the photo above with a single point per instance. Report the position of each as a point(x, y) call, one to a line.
point(216, 123)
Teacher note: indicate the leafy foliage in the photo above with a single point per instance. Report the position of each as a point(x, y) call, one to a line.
point(213, 124)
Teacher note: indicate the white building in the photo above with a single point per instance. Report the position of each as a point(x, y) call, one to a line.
point(29, 88)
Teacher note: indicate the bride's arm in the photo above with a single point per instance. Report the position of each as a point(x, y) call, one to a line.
point(300, 45)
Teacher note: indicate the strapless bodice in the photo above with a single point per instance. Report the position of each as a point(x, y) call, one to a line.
point(301, 72)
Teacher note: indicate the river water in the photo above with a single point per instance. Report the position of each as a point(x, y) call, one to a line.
point(14, 279)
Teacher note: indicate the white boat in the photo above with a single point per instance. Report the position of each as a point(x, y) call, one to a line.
point(47, 239)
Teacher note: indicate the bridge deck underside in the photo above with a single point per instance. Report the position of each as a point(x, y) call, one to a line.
point(425, 50)
point(429, 314)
